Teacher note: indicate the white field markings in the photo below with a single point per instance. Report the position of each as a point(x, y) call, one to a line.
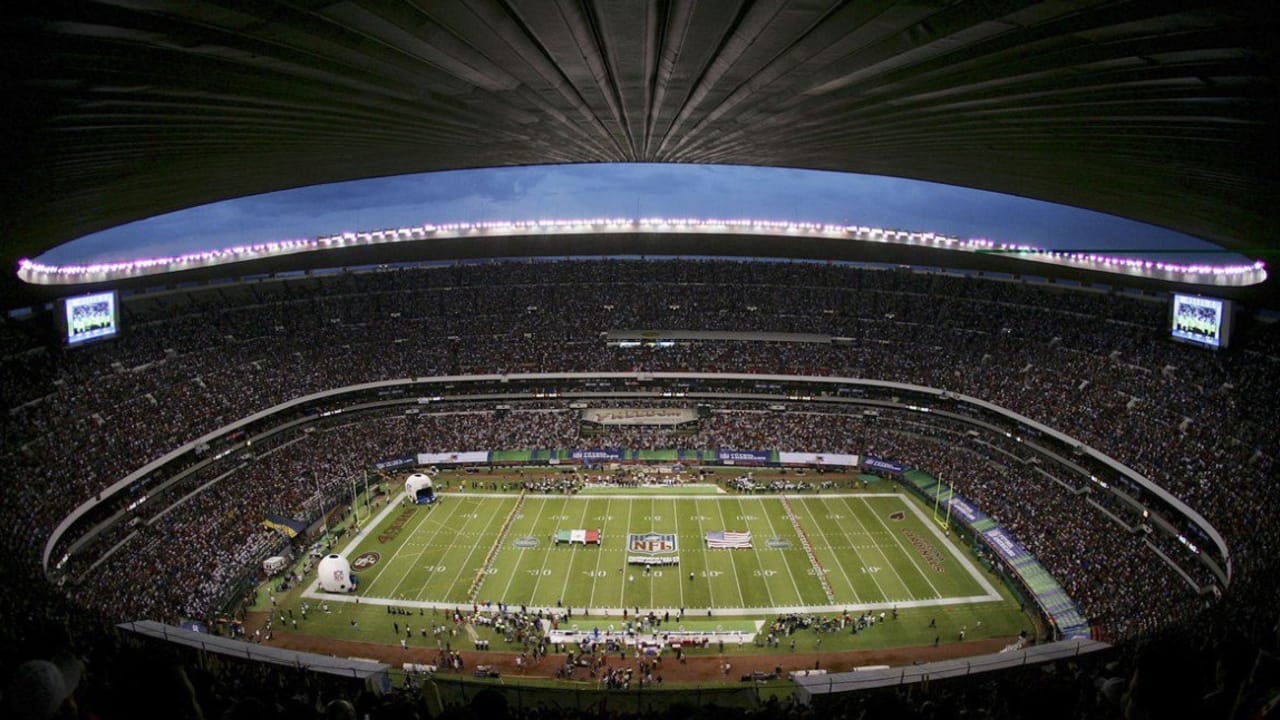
point(649, 576)
point(712, 609)
point(844, 572)
point(352, 544)
point(661, 578)
point(568, 571)
point(464, 565)
point(410, 537)
point(518, 560)
point(893, 567)
point(675, 513)
point(595, 577)
point(655, 525)
point(784, 554)
point(543, 572)
point(960, 557)
point(733, 561)
point(711, 591)
point(631, 509)
point(750, 521)
point(709, 498)
point(575, 556)
point(910, 556)
point(392, 505)
point(664, 581)
point(652, 524)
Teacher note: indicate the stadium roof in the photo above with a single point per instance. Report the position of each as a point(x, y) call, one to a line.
point(119, 110)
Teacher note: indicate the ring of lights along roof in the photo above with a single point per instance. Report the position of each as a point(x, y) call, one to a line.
point(1234, 275)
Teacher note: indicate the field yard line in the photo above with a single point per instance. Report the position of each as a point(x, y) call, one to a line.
point(955, 551)
point(675, 513)
point(434, 524)
point(408, 535)
point(711, 587)
point(737, 581)
point(909, 554)
point(649, 575)
point(893, 567)
point(569, 573)
point(595, 578)
point(757, 496)
point(774, 531)
point(714, 611)
point(630, 509)
point(537, 579)
point(511, 576)
point(467, 560)
point(392, 506)
point(849, 577)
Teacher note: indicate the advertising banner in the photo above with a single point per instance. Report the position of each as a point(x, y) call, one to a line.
point(478, 457)
point(639, 416)
point(664, 456)
point(873, 463)
point(597, 455)
point(838, 459)
point(511, 456)
point(395, 463)
point(288, 526)
point(739, 457)
point(962, 509)
point(1009, 548)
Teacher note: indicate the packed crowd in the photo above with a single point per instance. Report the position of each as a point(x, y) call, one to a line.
point(220, 531)
point(1108, 570)
point(1090, 364)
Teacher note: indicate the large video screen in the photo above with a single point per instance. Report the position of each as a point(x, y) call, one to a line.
point(1200, 320)
point(91, 317)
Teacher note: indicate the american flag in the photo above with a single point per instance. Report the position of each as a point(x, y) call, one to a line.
point(734, 540)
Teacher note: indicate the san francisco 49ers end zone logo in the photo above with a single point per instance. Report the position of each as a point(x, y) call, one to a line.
point(366, 561)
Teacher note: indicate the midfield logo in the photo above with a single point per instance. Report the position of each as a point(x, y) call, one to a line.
point(651, 543)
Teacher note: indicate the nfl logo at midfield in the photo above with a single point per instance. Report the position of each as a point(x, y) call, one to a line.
point(651, 543)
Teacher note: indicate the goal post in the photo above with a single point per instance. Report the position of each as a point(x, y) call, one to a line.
point(945, 523)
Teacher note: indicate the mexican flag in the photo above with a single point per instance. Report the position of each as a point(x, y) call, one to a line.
point(584, 537)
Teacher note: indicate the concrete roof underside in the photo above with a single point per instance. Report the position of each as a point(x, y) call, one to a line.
point(1165, 112)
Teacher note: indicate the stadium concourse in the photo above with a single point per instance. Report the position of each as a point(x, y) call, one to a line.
point(1091, 364)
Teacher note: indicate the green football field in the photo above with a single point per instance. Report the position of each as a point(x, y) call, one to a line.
point(815, 552)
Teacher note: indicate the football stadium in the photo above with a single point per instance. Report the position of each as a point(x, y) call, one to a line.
point(591, 467)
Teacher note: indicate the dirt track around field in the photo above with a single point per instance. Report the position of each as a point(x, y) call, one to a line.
point(700, 668)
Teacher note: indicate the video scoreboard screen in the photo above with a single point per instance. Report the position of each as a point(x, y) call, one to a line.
point(1200, 320)
point(90, 317)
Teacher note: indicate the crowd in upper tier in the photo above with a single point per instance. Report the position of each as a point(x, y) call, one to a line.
point(1094, 365)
